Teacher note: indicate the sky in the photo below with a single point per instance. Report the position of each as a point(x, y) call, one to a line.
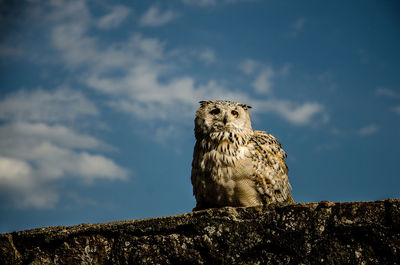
point(97, 100)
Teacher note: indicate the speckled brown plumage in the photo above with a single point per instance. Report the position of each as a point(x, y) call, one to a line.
point(234, 165)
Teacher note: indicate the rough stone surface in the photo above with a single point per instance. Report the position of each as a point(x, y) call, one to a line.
point(311, 233)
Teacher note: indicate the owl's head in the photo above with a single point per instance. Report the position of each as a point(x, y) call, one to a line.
point(222, 116)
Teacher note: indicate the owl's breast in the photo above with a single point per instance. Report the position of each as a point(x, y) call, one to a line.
point(222, 171)
point(223, 155)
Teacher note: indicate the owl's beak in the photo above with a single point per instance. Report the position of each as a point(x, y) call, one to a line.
point(225, 119)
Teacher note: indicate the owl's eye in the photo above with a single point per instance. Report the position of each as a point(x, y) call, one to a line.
point(235, 113)
point(215, 111)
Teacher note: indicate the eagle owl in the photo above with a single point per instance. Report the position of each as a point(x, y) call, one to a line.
point(234, 165)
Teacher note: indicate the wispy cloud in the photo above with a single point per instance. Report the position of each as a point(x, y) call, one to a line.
point(263, 74)
point(113, 19)
point(46, 106)
point(296, 113)
point(263, 82)
point(368, 130)
point(249, 66)
point(387, 92)
point(17, 183)
point(208, 56)
point(76, 47)
point(397, 110)
point(200, 2)
point(145, 87)
point(37, 149)
point(297, 27)
point(154, 17)
point(208, 3)
point(298, 24)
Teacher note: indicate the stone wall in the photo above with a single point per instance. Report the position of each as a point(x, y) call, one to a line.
point(310, 233)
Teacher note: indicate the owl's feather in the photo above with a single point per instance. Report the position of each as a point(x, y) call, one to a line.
point(234, 165)
point(271, 169)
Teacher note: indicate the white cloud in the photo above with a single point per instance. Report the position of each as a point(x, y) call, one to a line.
point(208, 56)
point(263, 82)
point(29, 134)
point(164, 133)
point(390, 94)
point(208, 3)
point(40, 105)
point(75, 46)
point(264, 74)
point(18, 184)
point(368, 130)
point(387, 92)
point(70, 22)
point(37, 149)
point(54, 162)
point(141, 93)
point(249, 66)
point(303, 114)
point(114, 18)
point(200, 2)
point(11, 169)
point(63, 10)
point(154, 17)
point(297, 114)
point(43, 154)
point(79, 50)
point(93, 167)
point(146, 87)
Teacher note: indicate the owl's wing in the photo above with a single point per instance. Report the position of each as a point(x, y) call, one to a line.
point(270, 168)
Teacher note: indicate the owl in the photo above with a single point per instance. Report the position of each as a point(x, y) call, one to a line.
point(234, 165)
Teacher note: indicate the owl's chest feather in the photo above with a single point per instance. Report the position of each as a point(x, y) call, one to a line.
point(223, 153)
point(222, 162)
point(225, 174)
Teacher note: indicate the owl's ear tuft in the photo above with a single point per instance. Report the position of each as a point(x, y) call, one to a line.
point(204, 102)
point(245, 107)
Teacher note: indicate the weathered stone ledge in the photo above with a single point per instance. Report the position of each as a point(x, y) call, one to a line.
point(302, 233)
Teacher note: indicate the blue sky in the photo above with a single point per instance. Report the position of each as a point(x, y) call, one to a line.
point(98, 99)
